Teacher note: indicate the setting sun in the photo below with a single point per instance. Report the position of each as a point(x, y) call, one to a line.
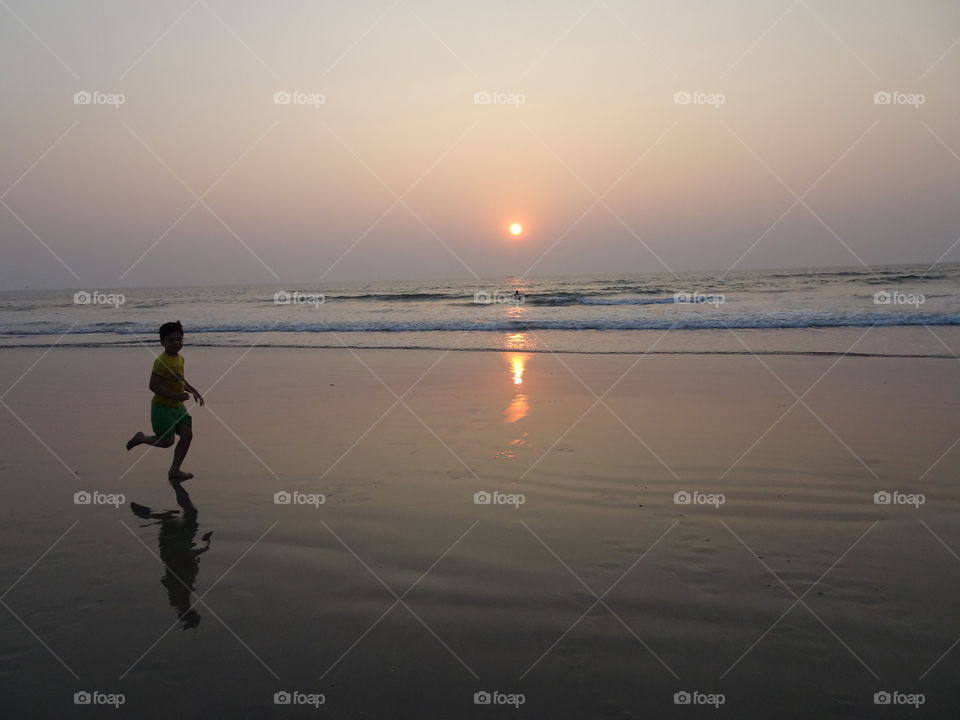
point(516, 229)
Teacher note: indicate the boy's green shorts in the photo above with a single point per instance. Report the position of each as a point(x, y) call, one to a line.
point(165, 419)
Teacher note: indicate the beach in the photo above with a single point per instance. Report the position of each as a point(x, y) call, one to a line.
point(561, 361)
point(578, 535)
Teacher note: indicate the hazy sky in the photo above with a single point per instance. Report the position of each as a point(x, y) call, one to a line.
point(583, 105)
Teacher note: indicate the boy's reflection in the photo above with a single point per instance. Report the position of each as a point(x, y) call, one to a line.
point(179, 553)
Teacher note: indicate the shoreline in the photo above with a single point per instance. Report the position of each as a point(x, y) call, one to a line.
point(873, 341)
point(401, 348)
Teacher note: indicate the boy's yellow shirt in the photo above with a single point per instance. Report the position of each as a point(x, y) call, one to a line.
point(170, 370)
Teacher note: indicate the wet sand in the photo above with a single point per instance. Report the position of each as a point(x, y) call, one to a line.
point(493, 597)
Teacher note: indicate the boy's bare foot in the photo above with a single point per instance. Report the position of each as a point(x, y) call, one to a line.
point(135, 440)
point(179, 476)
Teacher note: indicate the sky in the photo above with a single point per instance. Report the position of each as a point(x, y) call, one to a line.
point(235, 142)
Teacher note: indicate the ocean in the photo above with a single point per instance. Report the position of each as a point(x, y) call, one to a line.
point(826, 310)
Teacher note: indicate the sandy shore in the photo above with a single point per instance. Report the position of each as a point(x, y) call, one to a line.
point(493, 597)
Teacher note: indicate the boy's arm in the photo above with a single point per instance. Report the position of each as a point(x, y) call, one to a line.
point(196, 393)
point(158, 388)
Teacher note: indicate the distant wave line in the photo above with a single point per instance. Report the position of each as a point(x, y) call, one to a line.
point(697, 320)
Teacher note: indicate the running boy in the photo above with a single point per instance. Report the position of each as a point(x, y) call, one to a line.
point(168, 416)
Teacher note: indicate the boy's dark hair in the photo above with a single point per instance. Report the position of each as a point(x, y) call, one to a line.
point(170, 327)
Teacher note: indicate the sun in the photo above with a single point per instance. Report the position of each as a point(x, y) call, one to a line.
point(516, 229)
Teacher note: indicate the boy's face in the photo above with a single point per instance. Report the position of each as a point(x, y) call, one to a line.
point(172, 342)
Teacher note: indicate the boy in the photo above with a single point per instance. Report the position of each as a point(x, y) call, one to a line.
point(167, 413)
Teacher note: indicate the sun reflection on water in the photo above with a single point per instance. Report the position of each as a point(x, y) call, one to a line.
point(519, 406)
point(517, 341)
point(518, 362)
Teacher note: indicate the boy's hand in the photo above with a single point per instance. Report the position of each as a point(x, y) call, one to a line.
point(198, 398)
point(183, 396)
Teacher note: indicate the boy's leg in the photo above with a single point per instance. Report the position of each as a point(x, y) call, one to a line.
point(141, 439)
point(185, 431)
point(164, 421)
